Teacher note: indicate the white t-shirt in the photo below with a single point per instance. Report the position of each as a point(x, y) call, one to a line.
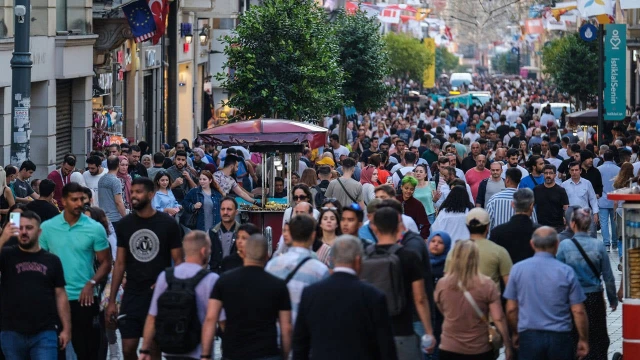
point(342, 150)
point(472, 136)
point(92, 183)
point(524, 171)
point(546, 119)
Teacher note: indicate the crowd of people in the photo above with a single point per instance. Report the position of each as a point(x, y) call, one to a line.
point(474, 229)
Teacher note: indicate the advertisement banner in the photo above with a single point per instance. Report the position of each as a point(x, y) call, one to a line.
point(615, 64)
point(429, 78)
point(534, 26)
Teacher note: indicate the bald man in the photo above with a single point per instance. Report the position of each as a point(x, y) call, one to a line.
point(197, 249)
point(250, 334)
point(303, 208)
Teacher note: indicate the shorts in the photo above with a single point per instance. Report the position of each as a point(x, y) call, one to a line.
point(133, 314)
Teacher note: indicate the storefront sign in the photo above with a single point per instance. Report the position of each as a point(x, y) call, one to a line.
point(615, 51)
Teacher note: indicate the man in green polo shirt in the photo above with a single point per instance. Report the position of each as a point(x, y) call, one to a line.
point(76, 239)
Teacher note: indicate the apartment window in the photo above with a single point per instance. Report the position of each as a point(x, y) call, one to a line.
point(6, 18)
point(39, 18)
point(73, 17)
point(224, 23)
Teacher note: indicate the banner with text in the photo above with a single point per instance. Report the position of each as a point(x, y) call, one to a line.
point(615, 64)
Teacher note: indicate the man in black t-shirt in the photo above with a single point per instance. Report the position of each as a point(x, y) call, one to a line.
point(148, 241)
point(551, 200)
point(43, 206)
point(34, 300)
point(385, 225)
point(364, 158)
point(254, 301)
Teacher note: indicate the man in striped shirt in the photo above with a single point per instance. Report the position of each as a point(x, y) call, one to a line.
point(499, 206)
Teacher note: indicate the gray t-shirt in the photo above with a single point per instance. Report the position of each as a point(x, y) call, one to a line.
point(22, 189)
point(493, 187)
point(207, 207)
point(354, 190)
point(108, 187)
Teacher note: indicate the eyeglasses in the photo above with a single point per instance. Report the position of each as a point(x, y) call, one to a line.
point(301, 197)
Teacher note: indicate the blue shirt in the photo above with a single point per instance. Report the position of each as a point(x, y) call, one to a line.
point(527, 182)
point(569, 254)
point(581, 194)
point(545, 289)
point(608, 171)
point(366, 233)
point(162, 201)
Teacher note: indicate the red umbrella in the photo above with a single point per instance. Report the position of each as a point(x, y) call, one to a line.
point(266, 132)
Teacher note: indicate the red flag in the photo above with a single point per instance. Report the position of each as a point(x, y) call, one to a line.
point(160, 11)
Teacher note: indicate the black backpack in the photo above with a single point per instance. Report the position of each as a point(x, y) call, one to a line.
point(319, 198)
point(178, 328)
point(399, 187)
point(383, 269)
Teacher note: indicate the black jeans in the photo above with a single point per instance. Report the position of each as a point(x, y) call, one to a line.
point(85, 337)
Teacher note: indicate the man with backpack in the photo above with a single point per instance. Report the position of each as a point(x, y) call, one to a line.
point(318, 191)
point(397, 272)
point(181, 292)
point(299, 267)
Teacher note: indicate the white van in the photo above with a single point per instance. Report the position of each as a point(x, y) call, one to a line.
point(457, 79)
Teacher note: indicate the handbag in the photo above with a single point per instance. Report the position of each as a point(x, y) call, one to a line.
point(495, 338)
point(191, 220)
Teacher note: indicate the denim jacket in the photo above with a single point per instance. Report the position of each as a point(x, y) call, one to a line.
point(162, 201)
point(196, 195)
point(569, 254)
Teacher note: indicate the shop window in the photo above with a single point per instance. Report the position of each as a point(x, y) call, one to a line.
point(224, 23)
point(39, 18)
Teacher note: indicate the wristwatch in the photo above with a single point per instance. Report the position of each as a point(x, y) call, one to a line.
point(93, 282)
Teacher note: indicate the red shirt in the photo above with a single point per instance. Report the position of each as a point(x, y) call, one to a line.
point(60, 180)
point(474, 177)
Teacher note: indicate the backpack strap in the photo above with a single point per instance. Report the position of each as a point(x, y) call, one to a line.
point(394, 249)
point(295, 270)
point(371, 249)
point(192, 282)
point(189, 284)
point(400, 175)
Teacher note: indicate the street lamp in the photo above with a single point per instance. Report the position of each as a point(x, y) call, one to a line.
point(204, 37)
point(188, 38)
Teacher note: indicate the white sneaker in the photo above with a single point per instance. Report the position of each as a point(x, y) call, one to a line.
point(114, 351)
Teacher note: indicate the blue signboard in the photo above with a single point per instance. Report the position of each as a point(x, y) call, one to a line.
point(588, 32)
point(615, 65)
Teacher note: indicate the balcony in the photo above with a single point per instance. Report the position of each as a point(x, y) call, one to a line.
point(110, 25)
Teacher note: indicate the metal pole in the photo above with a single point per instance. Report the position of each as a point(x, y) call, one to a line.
point(21, 83)
point(163, 118)
point(601, 59)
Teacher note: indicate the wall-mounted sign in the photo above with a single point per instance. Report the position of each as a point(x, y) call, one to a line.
point(615, 65)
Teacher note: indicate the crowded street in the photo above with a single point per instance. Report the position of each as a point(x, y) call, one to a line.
point(320, 179)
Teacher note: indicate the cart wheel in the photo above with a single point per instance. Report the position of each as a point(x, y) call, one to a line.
point(617, 356)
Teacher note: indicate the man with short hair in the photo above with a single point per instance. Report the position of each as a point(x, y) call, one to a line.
point(536, 177)
point(224, 179)
point(499, 206)
point(62, 177)
point(608, 170)
point(432, 153)
point(181, 146)
point(148, 243)
point(34, 300)
point(110, 193)
point(196, 246)
point(180, 176)
point(223, 235)
point(386, 224)
point(250, 334)
point(386, 192)
point(92, 177)
point(494, 259)
point(324, 175)
point(365, 334)
point(43, 206)
point(279, 190)
point(338, 150)
point(477, 174)
point(513, 234)
point(541, 321)
point(573, 154)
point(113, 150)
point(79, 241)
point(298, 266)
point(512, 162)
point(408, 164)
point(158, 162)
point(552, 158)
point(581, 193)
point(470, 161)
point(351, 222)
point(373, 148)
point(490, 186)
point(590, 172)
point(22, 190)
point(551, 200)
point(136, 169)
point(346, 190)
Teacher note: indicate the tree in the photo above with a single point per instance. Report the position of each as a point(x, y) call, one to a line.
point(364, 60)
point(573, 65)
point(445, 61)
point(407, 56)
point(506, 63)
point(285, 61)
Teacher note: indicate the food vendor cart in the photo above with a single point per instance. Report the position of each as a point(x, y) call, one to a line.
point(630, 271)
point(279, 142)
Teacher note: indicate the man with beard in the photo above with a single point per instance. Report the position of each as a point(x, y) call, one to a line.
point(136, 169)
point(148, 241)
point(551, 200)
point(536, 164)
point(93, 175)
point(223, 235)
point(512, 162)
point(181, 177)
point(62, 177)
point(78, 241)
point(226, 179)
point(33, 280)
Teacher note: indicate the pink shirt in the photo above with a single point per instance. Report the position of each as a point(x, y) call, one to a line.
point(474, 177)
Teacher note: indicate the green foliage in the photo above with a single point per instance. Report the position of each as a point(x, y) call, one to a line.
point(364, 60)
point(285, 58)
point(506, 63)
point(445, 61)
point(407, 56)
point(573, 65)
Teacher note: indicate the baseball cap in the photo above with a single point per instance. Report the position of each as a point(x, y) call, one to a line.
point(480, 215)
point(326, 161)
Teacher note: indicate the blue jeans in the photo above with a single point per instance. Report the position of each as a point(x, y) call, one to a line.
point(419, 330)
point(41, 346)
point(606, 220)
point(545, 345)
point(432, 218)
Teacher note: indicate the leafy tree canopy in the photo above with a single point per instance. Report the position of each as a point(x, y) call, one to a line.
point(445, 61)
point(408, 57)
point(285, 61)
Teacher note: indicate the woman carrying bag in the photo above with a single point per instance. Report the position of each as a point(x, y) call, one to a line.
point(202, 204)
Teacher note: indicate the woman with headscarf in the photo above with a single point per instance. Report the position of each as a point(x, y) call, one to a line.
point(125, 180)
point(438, 245)
point(412, 207)
point(369, 181)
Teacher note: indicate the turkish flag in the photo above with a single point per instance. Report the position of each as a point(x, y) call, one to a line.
point(160, 11)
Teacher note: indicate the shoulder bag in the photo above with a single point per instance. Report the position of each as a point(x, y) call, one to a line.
point(346, 192)
point(495, 338)
point(295, 270)
point(586, 258)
